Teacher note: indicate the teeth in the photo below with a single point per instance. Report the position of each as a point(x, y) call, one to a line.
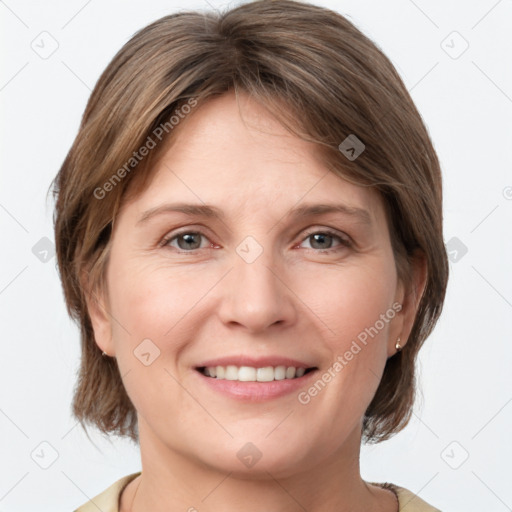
point(279, 372)
point(265, 374)
point(231, 373)
point(290, 372)
point(246, 374)
point(250, 374)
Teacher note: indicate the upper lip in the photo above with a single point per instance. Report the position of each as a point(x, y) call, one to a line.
point(255, 362)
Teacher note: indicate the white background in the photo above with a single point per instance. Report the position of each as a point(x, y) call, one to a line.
point(465, 406)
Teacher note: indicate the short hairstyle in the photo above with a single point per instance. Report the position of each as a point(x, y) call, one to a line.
point(324, 81)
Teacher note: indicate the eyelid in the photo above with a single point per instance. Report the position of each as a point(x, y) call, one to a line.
point(171, 235)
point(346, 241)
point(328, 231)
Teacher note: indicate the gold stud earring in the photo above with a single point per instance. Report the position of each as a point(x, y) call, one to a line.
point(398, 347)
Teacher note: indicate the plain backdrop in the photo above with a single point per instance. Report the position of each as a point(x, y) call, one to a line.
point(455, 57)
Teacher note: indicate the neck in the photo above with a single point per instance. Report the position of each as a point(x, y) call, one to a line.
point(171, 480)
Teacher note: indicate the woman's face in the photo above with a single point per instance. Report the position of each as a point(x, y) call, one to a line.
point(258, 280)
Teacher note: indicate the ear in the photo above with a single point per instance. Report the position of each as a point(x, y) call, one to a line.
point(97, 307)
point(409, 296)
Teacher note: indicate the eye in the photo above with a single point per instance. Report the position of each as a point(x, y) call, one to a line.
point(187, 241)
point(322, 241)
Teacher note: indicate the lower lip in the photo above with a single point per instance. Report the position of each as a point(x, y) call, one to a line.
point(256, 391)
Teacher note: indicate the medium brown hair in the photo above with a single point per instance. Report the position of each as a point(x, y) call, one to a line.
point(323, 80)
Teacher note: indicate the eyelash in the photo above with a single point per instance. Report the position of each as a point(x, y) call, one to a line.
point(344, 242)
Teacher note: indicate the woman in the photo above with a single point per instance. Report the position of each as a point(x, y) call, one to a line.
point(249, 232)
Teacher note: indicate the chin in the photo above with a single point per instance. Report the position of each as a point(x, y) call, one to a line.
point(248, 460)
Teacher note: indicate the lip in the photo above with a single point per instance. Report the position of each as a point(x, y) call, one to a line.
point(256, 391)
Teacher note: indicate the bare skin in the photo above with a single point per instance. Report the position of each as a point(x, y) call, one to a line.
point(303, 297)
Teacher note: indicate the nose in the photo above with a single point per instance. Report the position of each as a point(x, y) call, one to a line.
point(256, 295)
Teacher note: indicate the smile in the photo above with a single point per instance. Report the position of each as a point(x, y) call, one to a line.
point(252, 374)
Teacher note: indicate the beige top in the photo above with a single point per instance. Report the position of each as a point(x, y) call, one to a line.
point(108, 500)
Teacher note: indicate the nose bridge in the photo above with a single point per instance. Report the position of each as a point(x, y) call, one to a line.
point(256, 296)
point(255, 271)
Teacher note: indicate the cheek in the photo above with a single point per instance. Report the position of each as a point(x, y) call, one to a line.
point(351, 302)
point(354, 307)
point(152, 302)
point(151, 310)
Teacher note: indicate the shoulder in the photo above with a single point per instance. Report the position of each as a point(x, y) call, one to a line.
point(108, 500)
point(407, 501)
point(410, 502)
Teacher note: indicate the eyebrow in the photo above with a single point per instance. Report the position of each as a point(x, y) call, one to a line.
point(302, 211)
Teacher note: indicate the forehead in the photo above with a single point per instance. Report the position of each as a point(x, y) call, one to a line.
point(233, 153)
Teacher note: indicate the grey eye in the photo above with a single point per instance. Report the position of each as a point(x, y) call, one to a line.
point(321, 240)
point(188, 241)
